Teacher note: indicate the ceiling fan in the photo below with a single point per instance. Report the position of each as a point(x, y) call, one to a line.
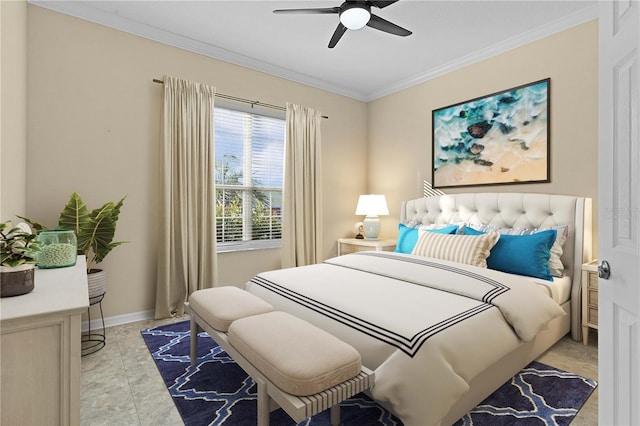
point(354, 14)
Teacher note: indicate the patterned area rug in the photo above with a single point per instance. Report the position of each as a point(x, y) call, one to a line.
point(218, 392)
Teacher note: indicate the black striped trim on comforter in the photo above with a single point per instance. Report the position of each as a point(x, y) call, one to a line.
point(410, 345)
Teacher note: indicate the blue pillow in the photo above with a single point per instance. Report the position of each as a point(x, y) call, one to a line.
point(521, 254)
point(449, 229)
point(408, 237)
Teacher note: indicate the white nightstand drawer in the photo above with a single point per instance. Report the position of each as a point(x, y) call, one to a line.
point(589, 298)
point(593, 280)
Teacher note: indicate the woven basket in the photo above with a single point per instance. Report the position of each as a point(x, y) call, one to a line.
point(97, 279)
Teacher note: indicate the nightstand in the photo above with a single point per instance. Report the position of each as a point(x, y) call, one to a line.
point(350, 245)
point(589, 298)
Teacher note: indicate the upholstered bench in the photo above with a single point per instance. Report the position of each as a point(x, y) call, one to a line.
point(220, 306)
point(296, 366)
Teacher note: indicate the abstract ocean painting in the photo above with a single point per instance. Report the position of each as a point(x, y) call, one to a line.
point(496, 139)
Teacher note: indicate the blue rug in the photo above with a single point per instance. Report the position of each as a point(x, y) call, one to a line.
point(218, 392)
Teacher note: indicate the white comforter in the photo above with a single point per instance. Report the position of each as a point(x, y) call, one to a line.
point(427, 327)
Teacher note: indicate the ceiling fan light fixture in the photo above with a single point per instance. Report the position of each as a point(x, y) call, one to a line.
point(355, 17)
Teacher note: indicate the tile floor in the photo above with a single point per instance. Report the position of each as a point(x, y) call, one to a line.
point(121, 384)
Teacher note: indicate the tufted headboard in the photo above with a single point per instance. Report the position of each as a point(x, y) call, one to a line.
point(517, 210)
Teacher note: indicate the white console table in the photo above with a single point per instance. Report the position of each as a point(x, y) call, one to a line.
point(40, 349)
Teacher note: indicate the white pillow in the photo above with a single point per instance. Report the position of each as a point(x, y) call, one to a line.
point(434, 226)
point(562, 232)
point(469, 249)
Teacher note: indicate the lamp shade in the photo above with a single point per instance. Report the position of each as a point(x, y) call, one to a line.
point(372, 205)
point(355, 16)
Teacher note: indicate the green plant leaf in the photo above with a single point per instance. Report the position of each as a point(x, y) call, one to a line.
point(75, 216)
point(107, 249)
point(115, 214)
point(17, 246)
point(103, 228)
point(37, 227)
point(100, 234)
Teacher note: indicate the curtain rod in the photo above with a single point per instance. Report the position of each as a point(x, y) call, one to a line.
point(246, 101)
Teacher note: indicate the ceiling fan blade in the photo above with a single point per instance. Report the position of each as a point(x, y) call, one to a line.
point(322, 10)
point(337, 35)
point(388, 27)
point(380, 4)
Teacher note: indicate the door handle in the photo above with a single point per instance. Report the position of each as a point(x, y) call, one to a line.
point(604, 270)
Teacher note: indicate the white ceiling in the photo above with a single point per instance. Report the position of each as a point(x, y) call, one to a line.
point(366, 64)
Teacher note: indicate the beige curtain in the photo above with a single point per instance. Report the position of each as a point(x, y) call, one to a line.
point(187, 234)
point(302, 201)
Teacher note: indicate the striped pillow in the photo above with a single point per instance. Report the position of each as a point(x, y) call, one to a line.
point(469, 249)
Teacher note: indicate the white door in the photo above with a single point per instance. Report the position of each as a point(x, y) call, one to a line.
point(619, 213)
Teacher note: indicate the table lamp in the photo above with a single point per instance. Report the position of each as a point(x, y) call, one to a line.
point(372, 206)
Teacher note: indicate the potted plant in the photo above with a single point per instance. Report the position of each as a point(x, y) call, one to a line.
point(18, 249)
point(94, 231)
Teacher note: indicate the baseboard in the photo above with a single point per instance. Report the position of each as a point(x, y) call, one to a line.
point(118, 320)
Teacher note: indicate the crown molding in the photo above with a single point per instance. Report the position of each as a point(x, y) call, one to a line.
point(81, 11)
point(553, 27)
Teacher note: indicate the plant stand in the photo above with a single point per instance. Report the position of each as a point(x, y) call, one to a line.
point(93, 341)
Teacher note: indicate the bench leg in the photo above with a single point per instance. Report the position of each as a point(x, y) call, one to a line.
point(335, 415)
point(195, 329)
point(263, 403)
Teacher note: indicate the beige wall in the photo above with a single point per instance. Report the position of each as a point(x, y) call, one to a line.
point(94, 118)
point(400, 143)
point(13, 108)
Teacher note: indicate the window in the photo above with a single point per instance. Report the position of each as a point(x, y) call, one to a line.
point(248, 172)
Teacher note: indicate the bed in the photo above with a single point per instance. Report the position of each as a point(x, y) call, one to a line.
point(442, 335)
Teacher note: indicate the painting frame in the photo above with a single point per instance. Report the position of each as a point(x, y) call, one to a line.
point(497, 139)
